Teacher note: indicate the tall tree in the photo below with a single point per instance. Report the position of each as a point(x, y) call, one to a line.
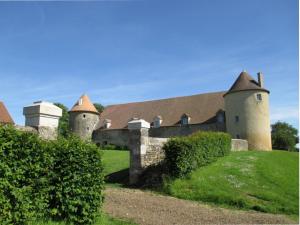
point(284, 136)
point(63, 125)
point(99, 107)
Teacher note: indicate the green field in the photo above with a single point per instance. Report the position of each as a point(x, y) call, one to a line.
point(262, 181)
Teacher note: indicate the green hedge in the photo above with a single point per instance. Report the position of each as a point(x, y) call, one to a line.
point(59, 179)
point(185, 154)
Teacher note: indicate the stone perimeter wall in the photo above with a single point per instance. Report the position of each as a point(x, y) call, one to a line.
point(120, 137)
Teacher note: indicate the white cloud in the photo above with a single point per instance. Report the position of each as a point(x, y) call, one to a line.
point(284, 113)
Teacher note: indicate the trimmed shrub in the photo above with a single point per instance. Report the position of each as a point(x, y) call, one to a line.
point(185, 154)
point(60, 179)
point(76, 180)
point(24, 166)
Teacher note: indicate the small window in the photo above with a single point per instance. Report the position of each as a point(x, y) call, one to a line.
point(258, 97)
point(87, 128)
point(83, 115)
point(238, 136)
point(237, 119)
point(185, 119)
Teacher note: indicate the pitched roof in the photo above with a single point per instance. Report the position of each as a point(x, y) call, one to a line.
point(245, 82)
point(201, 108)
point(4, 114)
point(84, 104)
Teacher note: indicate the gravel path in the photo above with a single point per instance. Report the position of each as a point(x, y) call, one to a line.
point(146, 208)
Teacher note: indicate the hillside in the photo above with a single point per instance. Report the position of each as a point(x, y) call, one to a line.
point(262, 181)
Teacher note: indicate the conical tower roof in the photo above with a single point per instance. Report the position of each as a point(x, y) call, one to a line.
point(84, 104)
point(245, 83)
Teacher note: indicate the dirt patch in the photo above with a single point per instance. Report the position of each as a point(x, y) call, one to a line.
point(146, 208)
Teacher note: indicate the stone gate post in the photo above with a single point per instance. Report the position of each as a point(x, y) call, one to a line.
point(138, 143)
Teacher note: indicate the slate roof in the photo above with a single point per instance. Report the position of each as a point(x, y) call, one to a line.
point(4, 115)
point(201, 108)
point(245, 82)
point(84, 104)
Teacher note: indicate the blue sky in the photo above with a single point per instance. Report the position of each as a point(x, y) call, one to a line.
point(124, 51)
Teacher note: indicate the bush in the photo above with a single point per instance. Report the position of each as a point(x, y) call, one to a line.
point(185, 154)
point(76, 180)
point(61, 179)
point(24, 166)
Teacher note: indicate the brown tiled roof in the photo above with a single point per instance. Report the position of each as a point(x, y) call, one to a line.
point(201, 108)
point(4, 114)
point(84, 104)
point(245, 82)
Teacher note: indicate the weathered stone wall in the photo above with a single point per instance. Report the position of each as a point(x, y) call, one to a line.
point(172, 131)
point(239, 145)
point(119, 137)
point(83, 123)
point(154, 151)
point(44, 132)
point(144, 150)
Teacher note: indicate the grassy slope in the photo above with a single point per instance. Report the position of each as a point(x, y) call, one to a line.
point(263, 181)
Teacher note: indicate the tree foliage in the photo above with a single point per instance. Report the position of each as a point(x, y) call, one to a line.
point(63, 125)
point(99, 107)
point(284, 136)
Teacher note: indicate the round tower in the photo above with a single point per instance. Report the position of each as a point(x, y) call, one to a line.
point(83, 118)
point(247, 112)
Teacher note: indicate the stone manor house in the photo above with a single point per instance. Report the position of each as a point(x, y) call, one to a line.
point(242, 111)
point(144, 127)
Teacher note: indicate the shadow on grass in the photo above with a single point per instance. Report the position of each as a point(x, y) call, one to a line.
point(120, 178)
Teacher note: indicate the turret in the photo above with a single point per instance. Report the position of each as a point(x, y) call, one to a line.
point(247, 112)
point(83, 118)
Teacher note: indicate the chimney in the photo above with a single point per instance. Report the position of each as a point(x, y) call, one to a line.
point(260, 79)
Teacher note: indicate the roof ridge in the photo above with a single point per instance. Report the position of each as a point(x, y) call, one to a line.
point(163, 99)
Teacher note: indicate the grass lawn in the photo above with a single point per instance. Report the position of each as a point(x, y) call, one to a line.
point(104, 220)
point(114, 161)
point(262, 181)
point(116, 167)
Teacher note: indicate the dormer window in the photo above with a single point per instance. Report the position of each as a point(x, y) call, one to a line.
point(80, 101)
point(185, 119)
point(157, 121)
point(107, 123)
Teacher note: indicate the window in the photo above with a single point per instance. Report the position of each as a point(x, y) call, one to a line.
point(80, 101)
point(237, 119)
point(238, 136)
point(185, 119)
point(83, 115)
point(157, 121)
point(258, 97)
point(87, 128)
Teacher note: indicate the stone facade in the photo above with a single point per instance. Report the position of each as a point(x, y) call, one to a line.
point(118, 137)
point(83, 123)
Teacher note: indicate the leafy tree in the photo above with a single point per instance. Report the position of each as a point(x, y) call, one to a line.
point(284, 136)
point(99, 107)
point(63, 125)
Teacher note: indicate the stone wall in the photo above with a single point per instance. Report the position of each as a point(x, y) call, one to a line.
point(119, 137)
point(144, 150)
point(44, 132)
point(239, 145)
point(172, 131)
